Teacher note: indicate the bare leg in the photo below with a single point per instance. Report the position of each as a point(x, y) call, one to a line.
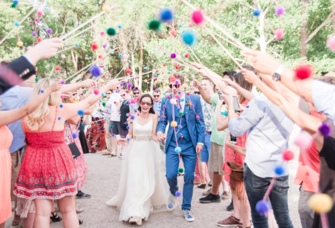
point(245, 213)
point(210, 174)
point(114, 145)
point(237, 212)
point(43, 211)
point(217, 180)
point(16, 217)
point(202, 170)
point(68, 210)
point(225, 185)
point(29, 221)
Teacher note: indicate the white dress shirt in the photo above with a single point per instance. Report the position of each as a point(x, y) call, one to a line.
point(268, 130)
point(323, 95)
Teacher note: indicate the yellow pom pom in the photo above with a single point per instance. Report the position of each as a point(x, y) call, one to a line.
point(100, 80)
point(178, 42)
point(105, 8)
point(320, 203)
point(145, 80)
point(61, 45)
point(184, 85)
point(109, 116)
point(174, 124)
point(152, 61)
point(124, 68)
point(122, 41)
point(19, 43)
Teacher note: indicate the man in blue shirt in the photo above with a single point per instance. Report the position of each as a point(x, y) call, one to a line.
point(157, 109)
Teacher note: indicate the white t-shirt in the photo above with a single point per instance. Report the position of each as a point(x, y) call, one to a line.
point(115, 115)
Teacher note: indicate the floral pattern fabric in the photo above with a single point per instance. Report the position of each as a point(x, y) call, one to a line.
point(208, 111)
point(95, 136)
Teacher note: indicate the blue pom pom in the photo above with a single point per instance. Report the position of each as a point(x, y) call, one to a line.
point(169, 69)
point(170, 206)
point(127, 127)
point(61, 105)
point(132, 117)
point(76, 44)
point(180, 127)
point(16, 2)
point(127, 114)
point(59, 118)
point(42, 91)
point(182, 99)
point(16, 23)
point(166, 15)
point(120, 26)
point(177, 149)
point(189, 37)
point(257, 12)
point(103, 94)
point(180, 25)
point(178, 193)
point(120, 55)
point(279, 170)
point(74, 135)
point(113, 135)
point(262, 207)
point(80, 112)
point(128, 139)
point(95, 71)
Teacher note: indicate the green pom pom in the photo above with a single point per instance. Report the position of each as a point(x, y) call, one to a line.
point(111, 126)
point(13, 5)
point(103, 104)
point(154, 25)
point(180, 114)
point(164, 102)
point(111, 32)
point(180, 170)
point(36, 79)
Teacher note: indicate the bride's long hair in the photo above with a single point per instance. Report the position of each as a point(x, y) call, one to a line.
point(152, 102)
point(35, 119)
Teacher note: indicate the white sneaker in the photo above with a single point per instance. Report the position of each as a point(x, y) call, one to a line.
point(188, 216)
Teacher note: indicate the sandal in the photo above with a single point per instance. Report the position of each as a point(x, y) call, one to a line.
point(81, 221)
point(55, 217)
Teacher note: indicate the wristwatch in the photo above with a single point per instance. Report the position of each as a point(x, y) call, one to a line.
point(277, 75)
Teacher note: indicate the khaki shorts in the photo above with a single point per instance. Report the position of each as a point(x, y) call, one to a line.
point(215, 162)
point(16, 166)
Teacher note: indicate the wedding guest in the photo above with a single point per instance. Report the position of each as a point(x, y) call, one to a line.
point(124, 110)
point(157, 108)
point(107, 113)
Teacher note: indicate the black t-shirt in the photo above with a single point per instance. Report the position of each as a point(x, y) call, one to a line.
point(124, 109)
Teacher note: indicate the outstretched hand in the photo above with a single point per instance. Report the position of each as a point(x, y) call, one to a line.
point(249, 76)
point(55, 86)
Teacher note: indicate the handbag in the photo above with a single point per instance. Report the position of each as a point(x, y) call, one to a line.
point(236, 170)
point(73, 147)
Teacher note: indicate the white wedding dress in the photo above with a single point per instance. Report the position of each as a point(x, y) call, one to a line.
point(143, 187)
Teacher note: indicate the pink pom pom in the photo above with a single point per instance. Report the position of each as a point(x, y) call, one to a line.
point(172, 79)
point(190, 25)
point(40, 13)
point(173, 32)
point(62, 96)
point(197, 117)
point(331, 43)
point(197, 17)
point(303, 71)
point(37, 19)
point(177, 96)
point(279, 33)
point(96, 91)
point(133, 101)
point(303, 140)
point(280, 11)
point(173, 101)
point(288, 155)
point(102, 33)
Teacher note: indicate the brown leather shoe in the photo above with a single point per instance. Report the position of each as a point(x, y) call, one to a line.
point(106, 153)
point(230, 221)
point(202, 185)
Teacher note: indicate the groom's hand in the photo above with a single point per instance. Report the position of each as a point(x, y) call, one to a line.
point(198, 149)
point(160, 136)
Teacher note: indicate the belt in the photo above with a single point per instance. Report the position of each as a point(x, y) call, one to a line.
point(209, 132)
point(142, 138)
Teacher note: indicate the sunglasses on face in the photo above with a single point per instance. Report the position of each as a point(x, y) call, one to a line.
point(156, 95)
point(175, 85)
point(146, 103)
point(196, 92)
point(136, 93)
point(108, 93)
point(74, 94)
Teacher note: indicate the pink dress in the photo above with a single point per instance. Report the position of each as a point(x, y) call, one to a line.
point(79, 162)
point(236, 187)
point(6, 139)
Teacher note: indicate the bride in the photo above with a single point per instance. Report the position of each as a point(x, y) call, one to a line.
point(143, 187)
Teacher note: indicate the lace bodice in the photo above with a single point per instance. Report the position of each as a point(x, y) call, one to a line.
point(142, 130)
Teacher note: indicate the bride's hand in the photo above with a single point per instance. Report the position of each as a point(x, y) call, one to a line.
point(121, 141)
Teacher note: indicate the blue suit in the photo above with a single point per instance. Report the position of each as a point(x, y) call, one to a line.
point(190, 134)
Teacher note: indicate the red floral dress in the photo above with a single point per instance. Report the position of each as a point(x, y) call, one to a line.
point(48, 170)
point(237, 187)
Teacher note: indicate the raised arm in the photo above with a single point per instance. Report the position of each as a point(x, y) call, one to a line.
point(75, 86)
point(203, 94)
point(235, 148)
point(221, 123)
point(245, 93)
point(71, 110)
point(305, 121)
point(8, 117)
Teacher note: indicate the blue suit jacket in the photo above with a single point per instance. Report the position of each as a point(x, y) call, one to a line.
point(195, 129)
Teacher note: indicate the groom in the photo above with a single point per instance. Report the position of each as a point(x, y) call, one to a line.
point(190, 137)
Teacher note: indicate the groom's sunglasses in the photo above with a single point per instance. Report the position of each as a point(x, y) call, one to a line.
point(175, 85)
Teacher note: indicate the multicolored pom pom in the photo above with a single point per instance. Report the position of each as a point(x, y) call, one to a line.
point(49, 31)
point(288, 155)
point(279, 170)
point(174, 124)
point(57, 68)
point(128, 71)
point(16, 23)
point(173, 56)
point(180, 170)
point(331, 43)
point(94, 46)
point(74, 135)
point(279, 33)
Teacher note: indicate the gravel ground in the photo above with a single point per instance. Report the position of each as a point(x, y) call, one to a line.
point(103, 179)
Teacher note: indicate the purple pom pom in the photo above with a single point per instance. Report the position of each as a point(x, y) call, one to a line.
point(59, 118)
point(104, 46)
point(49, 31)
point(192, 106)
point(74, 135)
point(130, 85)
point(132, 117)
point(280, 11)
point(154, 88)
point(324, 130)
point(95, 71)
point(164, 106)
point(33, 33)
point(178, 193)
point(262, 207)
point(173, 56)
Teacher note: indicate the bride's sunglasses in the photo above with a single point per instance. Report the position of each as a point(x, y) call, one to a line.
point(146, 103)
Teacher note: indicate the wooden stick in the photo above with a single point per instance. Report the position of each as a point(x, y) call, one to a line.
point(227, 52)
point(85, 23)
point(78, 33)
point(80, 70)
point(65, 49)
point(24, 18)
point(215, 25)
point(23, 3)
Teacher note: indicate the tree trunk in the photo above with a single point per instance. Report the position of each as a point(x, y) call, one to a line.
point(133, 68)
point(152, 81)
point(303, 31)
point(262, 41)
point(332, 6)
point(74, 60)
point(141, 64)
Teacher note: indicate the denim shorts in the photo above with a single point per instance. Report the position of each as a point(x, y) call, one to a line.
point(204, 154)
